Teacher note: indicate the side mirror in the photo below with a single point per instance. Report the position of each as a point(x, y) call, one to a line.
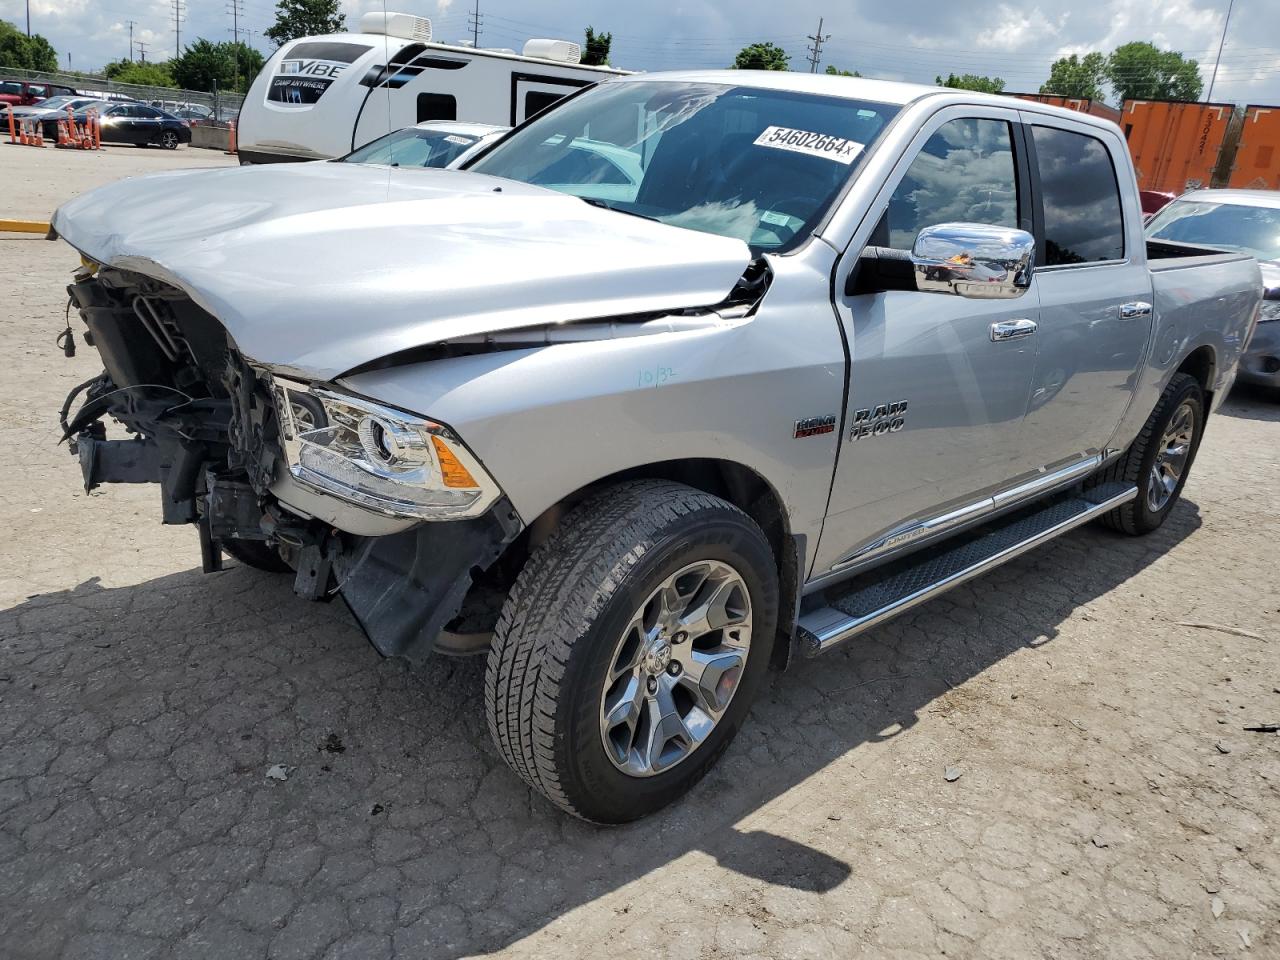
point(974, 260)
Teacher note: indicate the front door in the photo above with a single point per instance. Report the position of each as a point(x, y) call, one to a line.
point(1095, 299)
point(935, 403)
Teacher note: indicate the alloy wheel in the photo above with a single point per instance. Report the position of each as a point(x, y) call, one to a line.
point(676, 668)
point(1172, 454)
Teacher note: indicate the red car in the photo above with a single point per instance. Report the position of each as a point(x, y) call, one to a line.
point(23, 93)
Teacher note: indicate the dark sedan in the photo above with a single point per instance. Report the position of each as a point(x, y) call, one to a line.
point(134, 123)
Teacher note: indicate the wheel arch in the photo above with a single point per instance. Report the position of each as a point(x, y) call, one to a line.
point(1202, 364)
point(730, 480)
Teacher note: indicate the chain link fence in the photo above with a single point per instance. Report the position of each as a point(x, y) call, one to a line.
point(224, 107)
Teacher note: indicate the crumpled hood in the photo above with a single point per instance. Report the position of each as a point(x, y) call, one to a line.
point(322, 267)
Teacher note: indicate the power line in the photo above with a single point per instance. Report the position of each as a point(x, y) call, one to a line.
point(1226, 23)
point(815, 51)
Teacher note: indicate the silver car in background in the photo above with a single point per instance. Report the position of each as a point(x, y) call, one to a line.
point(434, 143)
point(1246, 221)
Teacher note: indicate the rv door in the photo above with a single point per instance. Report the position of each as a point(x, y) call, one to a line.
point(531, 93)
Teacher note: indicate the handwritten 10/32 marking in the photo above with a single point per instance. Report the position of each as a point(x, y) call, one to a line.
point(655, 377)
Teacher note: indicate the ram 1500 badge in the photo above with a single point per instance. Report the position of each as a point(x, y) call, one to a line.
point(544, 409)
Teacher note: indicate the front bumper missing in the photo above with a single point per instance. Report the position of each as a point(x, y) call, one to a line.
point(404, 588)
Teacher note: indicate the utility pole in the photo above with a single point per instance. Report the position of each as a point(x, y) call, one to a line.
point(179, 14)
point(815, 52)
point(131, 25)
point(476, 20)
point(1226, 23)
point(29, 18)
point(237, 11)
point(142, 49)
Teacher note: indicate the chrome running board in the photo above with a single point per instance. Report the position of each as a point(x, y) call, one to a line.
point(879, 595)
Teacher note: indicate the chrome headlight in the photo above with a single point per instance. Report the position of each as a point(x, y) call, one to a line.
point(379, 457)
point(1269, 310)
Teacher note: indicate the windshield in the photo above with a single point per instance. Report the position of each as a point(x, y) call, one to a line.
point(412, 147)
point(61, 101)
point(1227, 226)
point(759, 165)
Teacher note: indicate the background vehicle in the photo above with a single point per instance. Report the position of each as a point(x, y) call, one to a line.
point(639, 443)
point(50, 107)
point(24, 93)
point(439, 143)
point(321, 97)
point(1247, 221)
point(134, 123)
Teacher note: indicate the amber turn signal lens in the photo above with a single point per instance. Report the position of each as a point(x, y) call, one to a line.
point(451, 468)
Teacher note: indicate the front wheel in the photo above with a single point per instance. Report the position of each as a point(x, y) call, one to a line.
point(1160, 459)
point(630, 648)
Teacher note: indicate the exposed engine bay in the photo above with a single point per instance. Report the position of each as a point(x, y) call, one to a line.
point(205, 425)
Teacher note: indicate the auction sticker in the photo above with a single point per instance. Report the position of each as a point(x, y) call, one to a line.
point(814, 144)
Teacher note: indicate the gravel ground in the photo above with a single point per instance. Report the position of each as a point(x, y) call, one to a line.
point(1092, 695)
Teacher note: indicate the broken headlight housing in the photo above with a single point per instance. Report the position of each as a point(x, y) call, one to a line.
point(379, 457)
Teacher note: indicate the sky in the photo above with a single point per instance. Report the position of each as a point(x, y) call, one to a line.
point(912, 40)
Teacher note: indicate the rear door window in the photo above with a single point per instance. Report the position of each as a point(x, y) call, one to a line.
point(1080, 195)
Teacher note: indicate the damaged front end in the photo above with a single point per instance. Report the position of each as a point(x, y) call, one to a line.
point(279, 473)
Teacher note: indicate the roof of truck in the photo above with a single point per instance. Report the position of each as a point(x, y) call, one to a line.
point(892, 92)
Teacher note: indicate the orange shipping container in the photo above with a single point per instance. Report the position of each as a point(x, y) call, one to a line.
point(1080, 104)
point(1257, 165)
point(1175, 145)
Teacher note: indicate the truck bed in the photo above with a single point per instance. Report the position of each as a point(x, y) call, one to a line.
point(1168, 255)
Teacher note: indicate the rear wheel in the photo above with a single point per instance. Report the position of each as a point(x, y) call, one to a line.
point(1159, 460)
point(169, 140)
point(630, 648)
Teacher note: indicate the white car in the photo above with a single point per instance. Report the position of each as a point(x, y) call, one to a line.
point(436, 143)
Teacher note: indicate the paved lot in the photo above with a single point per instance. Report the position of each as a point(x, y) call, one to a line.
point(1093, 694)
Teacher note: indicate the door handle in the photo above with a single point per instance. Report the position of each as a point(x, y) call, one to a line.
point(1134, 310)
point(1012, 330)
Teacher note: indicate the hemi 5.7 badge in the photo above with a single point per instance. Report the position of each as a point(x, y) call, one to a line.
point(812, 426)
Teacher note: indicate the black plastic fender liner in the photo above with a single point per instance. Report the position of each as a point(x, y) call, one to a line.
point(404, 588)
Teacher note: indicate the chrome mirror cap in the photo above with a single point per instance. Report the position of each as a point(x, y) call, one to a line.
point(974, 260)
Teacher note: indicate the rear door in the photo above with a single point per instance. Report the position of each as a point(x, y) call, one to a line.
point(935, 404)
point(1095, 290)
point(148, 122)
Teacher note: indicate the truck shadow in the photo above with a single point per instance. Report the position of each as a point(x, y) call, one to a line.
point(1250, 402)
point(159, 708)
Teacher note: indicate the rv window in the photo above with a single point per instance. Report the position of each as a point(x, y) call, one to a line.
point(437, 106)
point(535, 101)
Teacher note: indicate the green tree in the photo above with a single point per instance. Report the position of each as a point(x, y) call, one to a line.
point(1142, 71)
point(595, 53)
point(21, 52)
point(148, 74)
point(972, 81)
point(761, 56)
point(305, 18)
point(232, 65)
point(833, 72)
point(1076, 76)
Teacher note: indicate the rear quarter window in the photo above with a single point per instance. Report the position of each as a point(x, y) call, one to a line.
point(1083, 222)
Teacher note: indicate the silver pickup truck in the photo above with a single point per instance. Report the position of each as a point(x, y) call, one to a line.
point(688, 375)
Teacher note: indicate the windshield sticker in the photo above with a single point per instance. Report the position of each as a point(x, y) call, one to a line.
point(775, 218)
point(460, 141)
point(814, 144)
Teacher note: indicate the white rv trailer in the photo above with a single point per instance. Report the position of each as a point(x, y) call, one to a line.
point(322, 97)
